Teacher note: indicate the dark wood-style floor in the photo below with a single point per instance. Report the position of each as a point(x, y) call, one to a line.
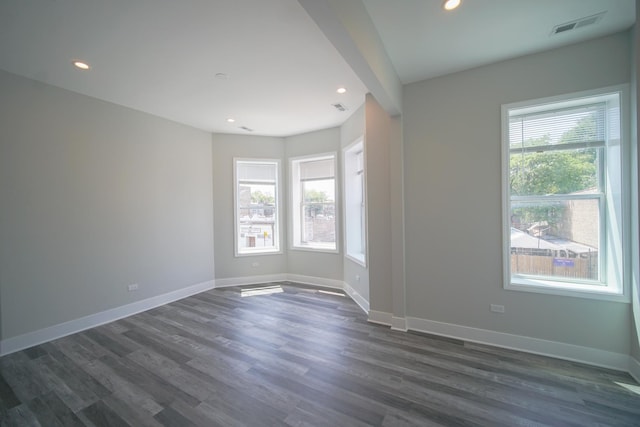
point(301, 357)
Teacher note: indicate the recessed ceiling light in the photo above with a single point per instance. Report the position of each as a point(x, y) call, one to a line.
point(231, 120)
point(451, 4)
point(341, 90)
point(81, 65)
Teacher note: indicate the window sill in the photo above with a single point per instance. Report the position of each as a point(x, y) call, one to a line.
point(566, 289)
point(315, 249)
point(258, 253)
point(358, 259)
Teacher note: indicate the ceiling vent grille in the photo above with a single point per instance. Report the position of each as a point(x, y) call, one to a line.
point(246, 128)
point(340, 107)
point(578, 23)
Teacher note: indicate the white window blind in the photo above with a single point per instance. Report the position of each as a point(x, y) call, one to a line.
point(317, 169)
point(256, 172)
point(556, 129)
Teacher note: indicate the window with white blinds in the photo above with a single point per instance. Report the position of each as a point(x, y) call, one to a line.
point(256, 207)
point(562, 187)
point(313, 202)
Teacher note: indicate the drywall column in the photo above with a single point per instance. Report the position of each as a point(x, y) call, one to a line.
point(348, 27)
point(396, 177)
point(635, 252)
point(377, 152)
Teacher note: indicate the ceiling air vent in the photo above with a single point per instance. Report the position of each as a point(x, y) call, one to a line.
point(340, 107)
point(246, 128)
point(578, 23)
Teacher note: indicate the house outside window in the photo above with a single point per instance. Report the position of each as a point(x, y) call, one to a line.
point(257, 206)
point(563, 195)
point(313, 202)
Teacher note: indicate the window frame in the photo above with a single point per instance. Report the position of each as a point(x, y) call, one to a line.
point(295, 201)
point(349, 157)
point(614, 203)
point(277, 234)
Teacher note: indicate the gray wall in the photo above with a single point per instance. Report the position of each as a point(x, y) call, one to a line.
point(635, 116)
point(377, 151)
point(396, 203)
point(452, 134)
point(317, 264)
point(225, 148)
point(95, 197)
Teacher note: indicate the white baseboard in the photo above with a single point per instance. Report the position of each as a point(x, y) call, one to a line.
point(388, 319)
point(359, 299)
point(297, 278)
point(399, 324)
point(249, 280)
point(380, 317)
point(20, 342)
point(555, 349)
point(315, 281)
point(591, 356)
point(331, 283)
point(634, 369)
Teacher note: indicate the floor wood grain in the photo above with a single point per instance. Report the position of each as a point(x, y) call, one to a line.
point(300, 357)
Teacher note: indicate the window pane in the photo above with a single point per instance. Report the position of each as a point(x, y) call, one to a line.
point(554, 172)
point(319, 221)
point(556, 239)
point(321, 190)
point(256, 216)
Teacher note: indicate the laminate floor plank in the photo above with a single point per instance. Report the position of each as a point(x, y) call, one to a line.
point(130, 413)
point(301, 357)
point(59, 410)
point(122, 388)
point(43, 413)
point(74, 400)
point(20, 416)
point(101, 415)
point(246, 384)
point(76, 379)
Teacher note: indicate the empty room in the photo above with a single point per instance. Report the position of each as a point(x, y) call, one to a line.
point(319, 213)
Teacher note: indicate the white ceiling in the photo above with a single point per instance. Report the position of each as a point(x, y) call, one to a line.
point(424, 41)
point(161, 56)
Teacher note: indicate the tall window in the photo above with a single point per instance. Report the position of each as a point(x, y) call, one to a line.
point(563, 194)
point(354, 202)
point(257, 207)
point(313, 196)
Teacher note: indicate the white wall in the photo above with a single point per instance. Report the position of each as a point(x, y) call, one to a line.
point(225, 148)
point(95, 197)
point(307, 263)
point(452, 137)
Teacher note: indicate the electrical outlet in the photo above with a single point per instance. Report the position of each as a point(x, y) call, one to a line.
point(497, 308)
point(357, 278)
point(133, 287)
